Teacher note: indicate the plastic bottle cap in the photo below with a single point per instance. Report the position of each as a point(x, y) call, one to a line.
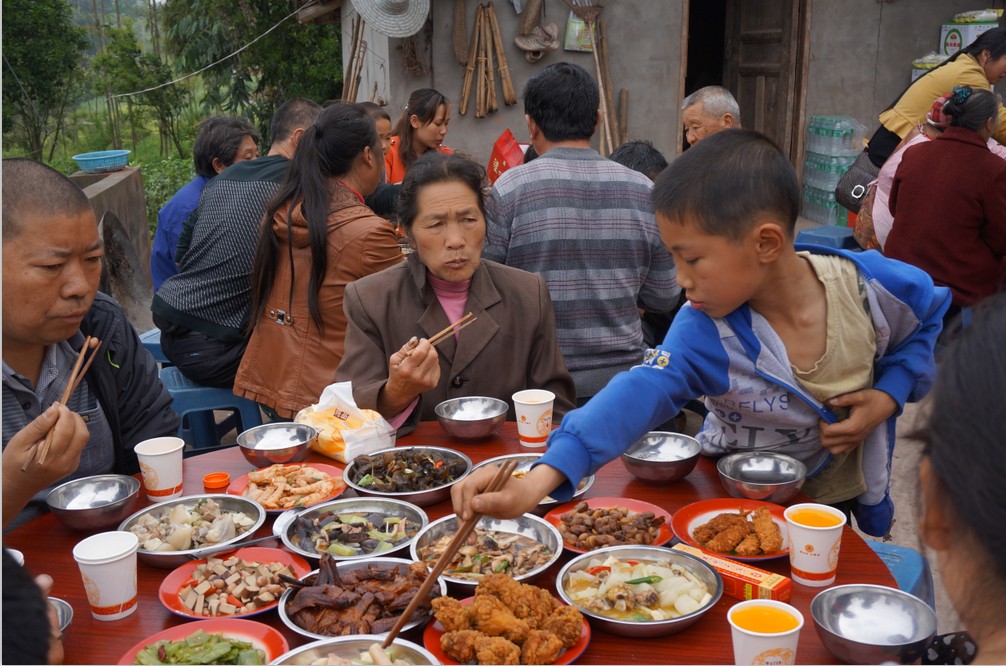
point(216, 480)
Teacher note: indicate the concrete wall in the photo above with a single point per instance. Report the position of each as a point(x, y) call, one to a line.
point(650, 68)
point(861, 51)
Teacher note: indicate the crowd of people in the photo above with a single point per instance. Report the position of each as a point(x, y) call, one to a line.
point(626, 286)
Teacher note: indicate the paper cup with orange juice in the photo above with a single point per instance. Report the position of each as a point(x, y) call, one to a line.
point(764, 631)
point(534, 416)
point(815, 535)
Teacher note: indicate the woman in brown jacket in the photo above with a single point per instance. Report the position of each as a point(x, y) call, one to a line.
point(317, 237)
point(511, 345)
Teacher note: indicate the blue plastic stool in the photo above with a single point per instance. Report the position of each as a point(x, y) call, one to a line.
point(151, 341)
point(829, 236)
point(197, 402)
point(910, 569)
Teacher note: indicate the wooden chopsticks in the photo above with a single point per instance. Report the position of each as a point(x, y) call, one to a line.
point(452, 329)
point(503, 474)
point(84, 360)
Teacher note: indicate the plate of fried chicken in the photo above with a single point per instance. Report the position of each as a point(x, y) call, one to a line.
point(741, 529)
point(506, 622)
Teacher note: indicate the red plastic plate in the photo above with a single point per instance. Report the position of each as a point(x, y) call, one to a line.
point(687, 518)
point(239, 484)
point(664, 533)
point(180, 577)
point(260, 635)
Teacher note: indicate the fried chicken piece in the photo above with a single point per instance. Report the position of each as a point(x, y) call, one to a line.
point(749, 546)
point(526, 602)
point(541, 647)
point(566, 622)
point(719, 523)
point(767, 530)
point(496, 650)
point(460, 645)
point(727, 539)
point(491, 617)
point(451, 614)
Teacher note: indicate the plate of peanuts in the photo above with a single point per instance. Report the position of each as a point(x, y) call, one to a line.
point(282, 487)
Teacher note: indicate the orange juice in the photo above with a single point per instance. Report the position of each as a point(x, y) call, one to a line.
point(815, 518)
point(764, 620)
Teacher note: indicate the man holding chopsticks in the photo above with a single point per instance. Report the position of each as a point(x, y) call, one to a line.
point(64, 343)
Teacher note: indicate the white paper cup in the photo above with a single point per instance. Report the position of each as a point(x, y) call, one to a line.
point(107, 563)
point(754, 641)
point(534, 416)
point(161, 465)
point(813, 546)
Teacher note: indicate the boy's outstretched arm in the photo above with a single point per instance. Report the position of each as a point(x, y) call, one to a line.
point(867, 409)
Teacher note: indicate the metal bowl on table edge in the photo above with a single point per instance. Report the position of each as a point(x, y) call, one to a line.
point(64, 610)
point(343, 568)
point(704, 572)
point(524, 462)
point(489, 414)
point(169, 559)
point(351, 647)
point(762, 475)
point(94, 502)
point(300, 435)
point(417, 497)
point(383, 505)
point(873, 624)
point(528, 525)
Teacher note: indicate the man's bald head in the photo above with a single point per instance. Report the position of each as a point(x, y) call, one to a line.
point(33, 189)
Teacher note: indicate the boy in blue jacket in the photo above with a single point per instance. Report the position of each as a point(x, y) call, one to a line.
point(809, 351)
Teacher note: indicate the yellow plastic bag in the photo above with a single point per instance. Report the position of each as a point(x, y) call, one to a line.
point(344, 430)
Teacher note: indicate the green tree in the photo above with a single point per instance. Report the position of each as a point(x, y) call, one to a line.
point(123, 67)
point(294, 60)
point(42, 53)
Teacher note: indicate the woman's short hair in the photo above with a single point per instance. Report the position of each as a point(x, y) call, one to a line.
point(433, 168)
point(220, 137)
point(969, 107)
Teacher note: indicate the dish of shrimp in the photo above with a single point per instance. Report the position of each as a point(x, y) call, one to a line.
point(282, 487)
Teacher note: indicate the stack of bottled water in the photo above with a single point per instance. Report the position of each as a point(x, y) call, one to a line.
point(833, 143)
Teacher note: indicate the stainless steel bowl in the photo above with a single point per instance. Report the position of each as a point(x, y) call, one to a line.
point(64, 611)
point(873, 624)
point(696, 566)
point(762, 475)
point(351, 647)
point(662, 456)
point(524, 463)
point(527, 525)
point(381, 505)
point(94, 502)
point(343, 568)
point(474, 417)
point(274, 443)
point(169, 559)
point(418, 497)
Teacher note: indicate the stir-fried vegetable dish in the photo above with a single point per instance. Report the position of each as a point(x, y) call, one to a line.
point(201, 648)
point(351, 533)
point(185, 527)
point(493, 552)
point(402, 471)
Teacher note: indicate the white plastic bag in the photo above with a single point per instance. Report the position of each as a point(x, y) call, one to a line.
point(344, 430)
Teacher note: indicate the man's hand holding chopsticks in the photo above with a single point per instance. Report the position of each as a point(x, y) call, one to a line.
point(412, 370)
point(516, 497)
point(70, 434)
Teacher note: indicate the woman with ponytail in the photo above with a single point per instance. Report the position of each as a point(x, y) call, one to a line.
point(979, 65)
point(317, 237)
point(421, 128)
point(949, 202)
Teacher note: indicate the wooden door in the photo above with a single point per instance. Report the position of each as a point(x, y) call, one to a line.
point(766, 67)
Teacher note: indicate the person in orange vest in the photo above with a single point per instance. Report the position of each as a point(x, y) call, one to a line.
point(421, 128)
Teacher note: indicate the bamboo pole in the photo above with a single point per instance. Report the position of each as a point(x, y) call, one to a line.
point(460, 38)
point(600, 82)
point(509, 95)
point(623, 115)
point(487, 37)
point(466, 88)
point(480, 90)
point(609, 90)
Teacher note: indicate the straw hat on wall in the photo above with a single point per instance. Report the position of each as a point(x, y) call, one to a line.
point(394, 18)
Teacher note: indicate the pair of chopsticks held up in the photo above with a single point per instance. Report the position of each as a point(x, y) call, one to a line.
point(84, 360)
point(503, 474)
point(439, 337)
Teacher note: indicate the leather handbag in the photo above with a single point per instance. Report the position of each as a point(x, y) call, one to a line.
point(853, 184)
